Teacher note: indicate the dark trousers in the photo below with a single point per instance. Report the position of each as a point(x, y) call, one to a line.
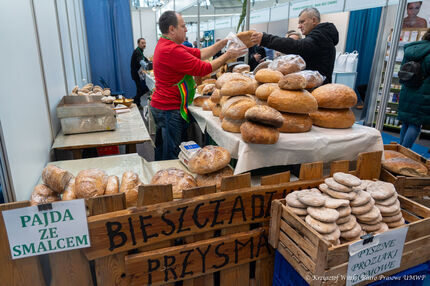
point(141, 89)
point(171, 130)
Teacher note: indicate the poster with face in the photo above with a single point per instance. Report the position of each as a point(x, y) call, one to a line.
point(417, 15)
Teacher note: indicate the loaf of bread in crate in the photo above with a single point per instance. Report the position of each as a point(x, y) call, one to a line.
point(90, 183)
point(209, 159)
point(293, 101)
point(112, 186)
point(214, 178)
point(130, 183)
point(42, 194)
point(179, 179)
point(400, 164)
point(69, 192)
point(333, 118)
point(56, 178)
point(335, 96)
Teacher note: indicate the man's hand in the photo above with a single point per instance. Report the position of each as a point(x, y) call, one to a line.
point(256, 38)
point(223, 42)
point(257, 57)
point(235, 53)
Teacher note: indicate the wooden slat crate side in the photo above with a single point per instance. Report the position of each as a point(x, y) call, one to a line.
point(274, 179)
point(339, 166)
point(300, 226)
point(416, 191)
point(311, 171)
point(23, 271)
point(202, 257)
point(414, 207)
point(302, 241)
point(296, 251)
point(295, 263)
point(78, 269)
point(369, 165)
point(275, 222)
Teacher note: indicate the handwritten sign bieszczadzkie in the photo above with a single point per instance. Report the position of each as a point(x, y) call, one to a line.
point(381, 255)
point(32, 232)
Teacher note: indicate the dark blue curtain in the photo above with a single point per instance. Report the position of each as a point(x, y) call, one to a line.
point(362, 32)
point(110, 43)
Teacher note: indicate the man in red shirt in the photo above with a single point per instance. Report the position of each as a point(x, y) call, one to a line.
point(174, 65)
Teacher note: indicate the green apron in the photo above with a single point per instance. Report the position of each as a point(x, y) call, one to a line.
point(187, 89)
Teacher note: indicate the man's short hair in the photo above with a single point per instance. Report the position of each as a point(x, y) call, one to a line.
point(313, 12)
point(166, 20)
point(138, 40)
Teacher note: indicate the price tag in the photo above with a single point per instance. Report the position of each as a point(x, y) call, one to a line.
point(382, 254)
point(42, 229)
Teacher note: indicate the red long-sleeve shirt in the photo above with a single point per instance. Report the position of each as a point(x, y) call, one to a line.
point(171, 63)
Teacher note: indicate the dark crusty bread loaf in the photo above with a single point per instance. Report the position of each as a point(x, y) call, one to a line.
point(295, 123)
point(292, 81)
point(258, 133)
point(264, 114)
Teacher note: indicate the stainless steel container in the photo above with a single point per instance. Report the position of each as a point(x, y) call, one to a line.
point(83, 114)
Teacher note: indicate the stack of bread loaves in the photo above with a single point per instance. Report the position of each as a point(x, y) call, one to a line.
point(262, 125)
point(294, 102)
point(179, 179)
point(334, 103)
point(210, 164)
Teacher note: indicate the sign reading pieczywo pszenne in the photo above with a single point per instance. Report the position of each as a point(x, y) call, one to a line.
point(383, 254)
point(32, 232)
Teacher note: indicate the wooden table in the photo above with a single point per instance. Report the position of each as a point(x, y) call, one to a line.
point(131, 130)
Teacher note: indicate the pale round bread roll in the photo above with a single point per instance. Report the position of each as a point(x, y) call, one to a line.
point(238, 87)
point(258, 133)
point(69, 192)
point(241, 68)
point(226, 77)
point(264, 90)
point(200, 100)
point(130, 183)
point(268, 76)
point(90, 183)
point(208, 89)
point(209, 159)
point(216, 96)
point(235, 107)
point(200, 88)
point(42, 194)
point(265, 115)
point(56, 178)
point(333, 118)
point(231, 125)
point(179, 179)
point(112, 186)
point(293, 81)
point(293, 101)
point(335, 96)
point(216, 110)
point(295, 123)
point(213, 178)
point(207, 105)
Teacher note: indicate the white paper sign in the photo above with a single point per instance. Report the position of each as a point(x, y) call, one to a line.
point(32, 232)
point(383, 254)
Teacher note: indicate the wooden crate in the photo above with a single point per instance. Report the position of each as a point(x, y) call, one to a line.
point(415, 188)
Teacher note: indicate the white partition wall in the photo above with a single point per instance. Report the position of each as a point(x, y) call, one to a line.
point(143, 21)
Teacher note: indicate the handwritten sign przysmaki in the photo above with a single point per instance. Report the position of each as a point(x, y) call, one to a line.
point(128, 229)
point(32, 232)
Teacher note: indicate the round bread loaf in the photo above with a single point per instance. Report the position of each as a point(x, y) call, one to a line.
point(207, 105)
point(112, 186)
point(241, 68)
point(295, 123)
point(130, 183)
point(294, 101)
point(213, 178)
point(216, 110)
point(238, 87)
point(292, 81)
point(56, 178)
point(90, 183)
point(69, 192)
point(258, 134)
point(235, 107)
point(200, 100)
point(264, 90)
point(227, 77)
point(216, 96)
point(264, 114)
point(335, 95)
point(390, 154)
point(42, 194)
point(268, 76)
point(209, 80)
point(405, 166)
point(333, 118)
point(208, 89)
point(231, 125)
point(200, 88)
point(209, 159)
point(179, 179)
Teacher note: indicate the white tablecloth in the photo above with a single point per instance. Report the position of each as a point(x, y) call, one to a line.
point(319, 144)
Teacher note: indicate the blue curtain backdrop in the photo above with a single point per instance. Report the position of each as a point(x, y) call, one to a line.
point(110, 43)
point(362, 32)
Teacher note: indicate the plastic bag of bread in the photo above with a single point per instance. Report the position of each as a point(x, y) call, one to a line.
point(245, 38)
point(263, 65)
point(112, 186)
point(69, 192)
point(240, 68)
point(288, 64)
point(56, 178)
point(235, 43)
point(208, 89)
point(90, 183)
point(42, 194)
point(209, 159)
point(214, 178)
point(313, 78)
point(179, 179)
point(130, 183)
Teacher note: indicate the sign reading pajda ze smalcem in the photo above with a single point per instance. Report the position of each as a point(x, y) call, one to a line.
point(33, 232)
